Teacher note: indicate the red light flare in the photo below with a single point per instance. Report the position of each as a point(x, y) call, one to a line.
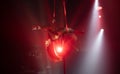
point(100, 8)
point(60, 48)
point(57, 50)
point(100, 16)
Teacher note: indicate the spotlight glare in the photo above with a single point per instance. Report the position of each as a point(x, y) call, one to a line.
point(99, 16)
point(100, 8)
point(96, 3)
point(102, 30)
point(59, 49)
point(91, 63)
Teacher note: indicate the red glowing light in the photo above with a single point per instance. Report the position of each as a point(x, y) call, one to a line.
point(99, 8)
point(100, 16)
point(59, 49)
point(102, 30)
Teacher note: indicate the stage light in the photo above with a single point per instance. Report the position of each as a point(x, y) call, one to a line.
point(96, 4)
point(100, 16)
point(102, 30)
point(100, 8)
point(92, 61)
point(59, 49)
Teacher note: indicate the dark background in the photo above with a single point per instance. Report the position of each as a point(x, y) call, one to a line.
point(22, 49)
